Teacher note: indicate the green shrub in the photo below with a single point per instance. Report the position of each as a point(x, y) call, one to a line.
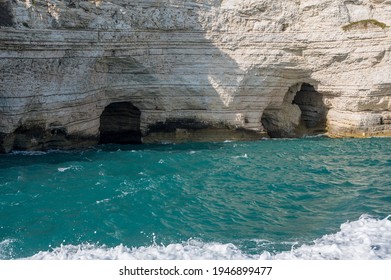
point(364, 24)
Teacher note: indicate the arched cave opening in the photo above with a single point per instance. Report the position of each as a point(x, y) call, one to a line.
point(120, 124)
point(302, 113)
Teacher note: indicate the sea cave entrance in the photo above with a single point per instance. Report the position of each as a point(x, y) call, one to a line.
point(301, 113)
point(120, 124)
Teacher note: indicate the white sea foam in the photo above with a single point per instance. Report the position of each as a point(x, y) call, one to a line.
point(29, 153)
point(192, 250)
point(242, 156)
point(6, 248)
point(103, 200)
point(366, 238)
point(63, 169)
point(72, 167)
point(40, 153)
point(321, 135)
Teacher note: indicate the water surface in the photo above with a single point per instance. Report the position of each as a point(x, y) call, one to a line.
point(266, 199)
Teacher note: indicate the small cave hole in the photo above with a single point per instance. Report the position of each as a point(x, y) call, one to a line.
point(302, 113)
point(120, 124)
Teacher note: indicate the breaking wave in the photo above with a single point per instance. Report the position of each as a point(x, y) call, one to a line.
point(366, 239)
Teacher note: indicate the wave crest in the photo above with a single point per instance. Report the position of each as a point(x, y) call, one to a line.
point(192, 250)
point(367, 238)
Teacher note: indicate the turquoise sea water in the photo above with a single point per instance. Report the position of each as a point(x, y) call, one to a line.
point(302, 198)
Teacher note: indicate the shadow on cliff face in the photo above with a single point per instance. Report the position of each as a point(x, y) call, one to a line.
point(183, 85)
point(6, 17)
point(182, 94)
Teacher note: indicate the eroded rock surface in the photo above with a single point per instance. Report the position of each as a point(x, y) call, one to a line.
point(194, 70)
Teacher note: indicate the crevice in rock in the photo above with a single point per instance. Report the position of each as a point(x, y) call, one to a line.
point(120, 124)
point(302, 113)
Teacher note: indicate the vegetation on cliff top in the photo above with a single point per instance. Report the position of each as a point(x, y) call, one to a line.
point(364, 24)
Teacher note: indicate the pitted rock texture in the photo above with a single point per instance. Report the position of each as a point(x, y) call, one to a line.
point(194, 70)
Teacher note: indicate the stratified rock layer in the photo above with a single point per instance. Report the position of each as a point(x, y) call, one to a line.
point(191, 70)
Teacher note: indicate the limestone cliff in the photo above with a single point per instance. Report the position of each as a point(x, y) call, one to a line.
point(76, 72)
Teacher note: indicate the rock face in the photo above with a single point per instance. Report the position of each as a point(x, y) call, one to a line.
point(75, 73)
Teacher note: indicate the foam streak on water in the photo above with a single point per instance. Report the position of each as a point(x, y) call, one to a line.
point(366, 239)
